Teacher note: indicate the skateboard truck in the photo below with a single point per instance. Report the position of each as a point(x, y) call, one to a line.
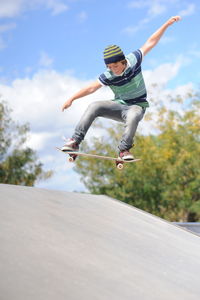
point(119, 165)
point(72, 157)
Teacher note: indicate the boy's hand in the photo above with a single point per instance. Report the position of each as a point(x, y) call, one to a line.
point(67, 104)
point(173, 19)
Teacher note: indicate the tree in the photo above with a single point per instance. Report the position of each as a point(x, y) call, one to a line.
point(18, 163)
point(167, 180)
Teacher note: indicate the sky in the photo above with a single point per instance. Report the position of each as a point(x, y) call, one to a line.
point(49, 49)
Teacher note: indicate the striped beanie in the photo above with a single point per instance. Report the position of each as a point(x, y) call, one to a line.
point(113, 54)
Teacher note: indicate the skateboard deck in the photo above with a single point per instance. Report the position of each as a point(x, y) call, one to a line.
point(119, 162)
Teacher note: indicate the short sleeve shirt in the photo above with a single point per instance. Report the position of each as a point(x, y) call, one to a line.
point(128, 87)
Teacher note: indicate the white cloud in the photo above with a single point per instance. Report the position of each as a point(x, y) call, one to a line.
point(195, 53)
point(166, 40)
point(38, 141)
point(4, 28)
point(13, 8)
point(7, 27)
point(45, 60)
point(188, 11)
point(137, 4)
point(131, 30)
point(157, 81)
point(155, 8)
point(2, 43)
point(163, 97)
point(39, 99)
point(162, 74)
point(159, 94)
point(82, 16)
point(55, 6)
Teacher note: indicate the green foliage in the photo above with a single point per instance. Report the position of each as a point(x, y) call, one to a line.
point(18, 164)
point(166, 182)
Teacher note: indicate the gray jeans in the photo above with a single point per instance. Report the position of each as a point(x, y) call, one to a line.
point(129, 115)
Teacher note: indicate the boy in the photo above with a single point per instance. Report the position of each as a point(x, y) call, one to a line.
point(125, 78)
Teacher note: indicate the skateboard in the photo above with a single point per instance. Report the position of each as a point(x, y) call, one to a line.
point(119, 162)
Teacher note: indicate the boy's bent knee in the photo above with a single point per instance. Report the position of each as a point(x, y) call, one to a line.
point(135, 113)
point(95, 108)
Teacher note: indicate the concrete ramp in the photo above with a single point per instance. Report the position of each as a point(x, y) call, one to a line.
point(71, 246)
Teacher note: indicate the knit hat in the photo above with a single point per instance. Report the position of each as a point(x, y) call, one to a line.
point(113, 54)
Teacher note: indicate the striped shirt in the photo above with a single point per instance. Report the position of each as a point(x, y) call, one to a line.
point(128, 87)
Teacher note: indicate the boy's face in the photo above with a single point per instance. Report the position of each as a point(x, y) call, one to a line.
point(117, 68)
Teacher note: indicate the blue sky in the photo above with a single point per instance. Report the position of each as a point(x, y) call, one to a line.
point(51, 48)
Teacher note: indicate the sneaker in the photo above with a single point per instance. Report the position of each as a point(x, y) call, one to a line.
point(70, 145)
point(126, 155)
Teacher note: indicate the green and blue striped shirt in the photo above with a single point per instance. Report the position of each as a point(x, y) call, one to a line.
point(129, 87)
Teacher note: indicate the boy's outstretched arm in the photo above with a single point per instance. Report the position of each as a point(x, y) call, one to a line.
point(83, 92)
point(155, 37)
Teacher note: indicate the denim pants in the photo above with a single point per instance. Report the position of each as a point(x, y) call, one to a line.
point(129, 115)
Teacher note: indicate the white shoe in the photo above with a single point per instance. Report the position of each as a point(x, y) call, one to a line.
point(70, 145)
point(126, 155)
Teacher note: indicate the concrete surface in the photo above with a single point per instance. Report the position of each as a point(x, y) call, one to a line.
point(70, 246)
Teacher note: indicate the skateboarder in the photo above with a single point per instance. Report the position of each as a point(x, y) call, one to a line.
point(124, 77)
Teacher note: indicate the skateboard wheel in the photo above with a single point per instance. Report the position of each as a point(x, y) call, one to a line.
point(120, 166)
point(71, 159)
